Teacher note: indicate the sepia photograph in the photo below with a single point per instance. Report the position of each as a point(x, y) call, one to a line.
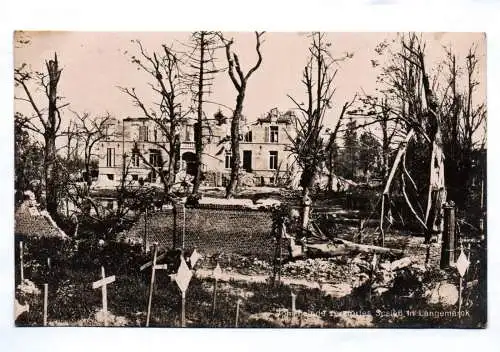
point(214, 179)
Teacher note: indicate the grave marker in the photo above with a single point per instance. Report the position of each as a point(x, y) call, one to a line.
point(294, 297)
point(238, 302)
point(154, 267)
point(195, 256)
point(462, 265)
point(182, 278)
point(45, 303)
point(102, 283)
point(217, 275)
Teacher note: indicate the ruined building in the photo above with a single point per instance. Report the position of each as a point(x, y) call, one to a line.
point(139, 144)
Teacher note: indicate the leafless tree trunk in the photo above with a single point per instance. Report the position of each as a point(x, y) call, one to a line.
point(169, 87)
point(90, 131)
point(308, 146)
point(201, 59)
point(44, 123)
point(331, 148)
point(240, 81)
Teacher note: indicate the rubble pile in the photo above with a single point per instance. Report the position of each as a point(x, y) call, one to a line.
point(322, 270)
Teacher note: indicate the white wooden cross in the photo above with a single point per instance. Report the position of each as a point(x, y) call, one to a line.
point(103, 282)
point(154, 267)
point(217, 275)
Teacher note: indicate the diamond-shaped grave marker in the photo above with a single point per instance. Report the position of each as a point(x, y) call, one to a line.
point(462, 264)
point(183, 276)
point(217, 272)
point(195, 256)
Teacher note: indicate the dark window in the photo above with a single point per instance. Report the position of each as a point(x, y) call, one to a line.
point(135, 177)
point(110, 157)
point(273, 134)
point(155, 158)
point(135, 158)
point(273, 160)
point(248, 136)
point(111, 177)
point(143, 133)
point(228, 160)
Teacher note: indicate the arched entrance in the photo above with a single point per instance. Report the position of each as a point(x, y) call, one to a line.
point(190, 159)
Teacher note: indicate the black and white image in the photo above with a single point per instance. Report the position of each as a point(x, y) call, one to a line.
point(250, 179)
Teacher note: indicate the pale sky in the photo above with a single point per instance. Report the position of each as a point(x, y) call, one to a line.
point(95, 63)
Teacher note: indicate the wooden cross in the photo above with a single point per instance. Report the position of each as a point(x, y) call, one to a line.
point(217, 275)
point(154, 267)
point(103, 282)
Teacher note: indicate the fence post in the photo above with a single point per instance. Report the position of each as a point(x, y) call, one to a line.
point(174, 229)
point(448, 241)
point(145, 237)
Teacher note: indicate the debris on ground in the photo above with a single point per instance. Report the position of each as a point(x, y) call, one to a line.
point(286, 318)
point(27, 287)
point(442, 293)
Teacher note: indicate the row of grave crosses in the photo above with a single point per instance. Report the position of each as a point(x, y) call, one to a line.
point(182, 277)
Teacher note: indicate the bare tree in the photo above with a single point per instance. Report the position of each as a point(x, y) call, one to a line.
point(202, 62)
point(46, 120)
point(169, 87)
point(462, 120)
point(331, 147)
point(416, 106)
point(308, 145)
point(90, 130)
point(240, 81)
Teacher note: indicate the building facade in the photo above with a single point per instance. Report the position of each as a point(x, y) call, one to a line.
point(137, 148)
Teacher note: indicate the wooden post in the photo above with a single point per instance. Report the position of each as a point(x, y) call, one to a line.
point(306, 210)
point(104, 298)
point(151, 285)
point(183, 224)
point(145, 237)
point(183, 310)
point(21, 259)
point(175, 243)
point(280, 252)
point(448, 242)
point(460, 297)
point(238, 302)
point(45, 303)
point(214, 299)
point(482, 219)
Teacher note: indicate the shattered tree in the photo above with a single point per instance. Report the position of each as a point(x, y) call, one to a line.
point(308, 145)
point(202, 62)
point(46, 121)
point(169, 90)
point(240, 81)
point(420, 112)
